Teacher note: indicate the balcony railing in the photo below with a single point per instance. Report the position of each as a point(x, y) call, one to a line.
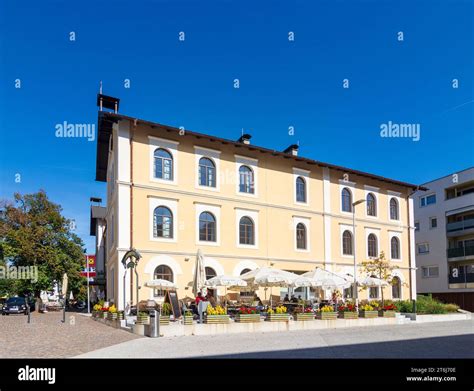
point(460, 225)
point(458, 252)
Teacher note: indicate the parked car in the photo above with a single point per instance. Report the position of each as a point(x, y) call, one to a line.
point(15, 305)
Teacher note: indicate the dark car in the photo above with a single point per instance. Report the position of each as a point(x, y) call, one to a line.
point(15, 305)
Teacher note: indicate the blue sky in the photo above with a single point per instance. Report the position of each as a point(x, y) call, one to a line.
point(190, 83)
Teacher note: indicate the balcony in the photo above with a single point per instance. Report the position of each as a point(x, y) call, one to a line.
point(460, 252)
point(460, 227)
point(463, 278)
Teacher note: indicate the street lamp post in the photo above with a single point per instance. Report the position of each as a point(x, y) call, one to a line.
point(356, 295)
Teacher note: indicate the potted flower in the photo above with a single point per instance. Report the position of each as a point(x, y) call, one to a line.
point(188, 318)
point(326, 313)
point(303, 314)
point(367, 311)
point(347, 311)
point(277, 315)
point(104, 312)
point(143, 318)
point(216, 314)
point(112, 313)
point(387, 311)
point(120, 315)
point(96, 310)
point(165, 314)
point(247, 315)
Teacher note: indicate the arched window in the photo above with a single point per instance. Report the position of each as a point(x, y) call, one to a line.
point(372, 246)
point(210, 273)
point(395, 248)
point(371, 205)
point(163, 164)
point(301, 236)
point(162, 272)
point(347, 243)
point(373, 291)
point(393, 209)
point(396, 288)
point(300, 189)
point(207, 172)
point(207, 227)
point(346, 200)
point(246, 293)
point(246, 231)
point(246, 181)
point(162, 223)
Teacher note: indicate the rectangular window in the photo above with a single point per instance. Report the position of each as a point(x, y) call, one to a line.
point(433, 222)
point(423, 248)
point(417, 225)
point(430, 271)
point(428, 200)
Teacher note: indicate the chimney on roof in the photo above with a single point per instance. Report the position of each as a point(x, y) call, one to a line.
point(293, 149)
point(245, 138)
point(109, 102)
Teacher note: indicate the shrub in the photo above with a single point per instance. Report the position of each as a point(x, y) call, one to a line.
point(166, 309)
point(451, 307)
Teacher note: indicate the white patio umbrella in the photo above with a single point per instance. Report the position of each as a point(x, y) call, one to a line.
point(326, 279)
point(160, 284)
point(373, 282)
point(269, 277)
point(225, 281)
point(199, 273)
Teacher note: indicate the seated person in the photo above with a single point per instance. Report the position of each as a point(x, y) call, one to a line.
point(210, 298)
point(294, 299)
point(199, 298)
point(286, 298)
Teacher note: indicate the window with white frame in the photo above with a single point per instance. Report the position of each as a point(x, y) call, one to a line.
point(346, 200)
point(372, 246)
point(207, 166)
point(163, 219)
point(163, 160)
point(428, 200)
point(246, 231)
point(395, 248)
point(371, 205)
point(207, 224)
point(347, 243)
point(394, 209)
point(396, 288)
point(301, 185)
point(301, 233)
point(300, 189)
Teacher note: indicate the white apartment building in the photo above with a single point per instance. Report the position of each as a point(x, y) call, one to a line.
point(444, 237)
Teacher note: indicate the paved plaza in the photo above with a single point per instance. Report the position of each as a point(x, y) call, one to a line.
point(80, 336)
point(46, 336)
point(424, 340)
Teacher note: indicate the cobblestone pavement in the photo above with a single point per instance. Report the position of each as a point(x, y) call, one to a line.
point(46, 336)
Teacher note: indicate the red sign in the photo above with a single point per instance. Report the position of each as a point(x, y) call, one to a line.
point(90, 260)
point(90, 266)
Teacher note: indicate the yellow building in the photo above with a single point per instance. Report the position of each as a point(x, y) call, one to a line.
point(171, 192)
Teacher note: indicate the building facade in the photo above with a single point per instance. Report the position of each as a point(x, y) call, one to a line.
point(171, 192)
point(444, 219)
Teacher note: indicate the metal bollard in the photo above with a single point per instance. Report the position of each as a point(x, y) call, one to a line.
point(414, 306)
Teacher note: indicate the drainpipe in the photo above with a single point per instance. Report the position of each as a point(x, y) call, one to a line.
point(413, 299)
point(132, 131)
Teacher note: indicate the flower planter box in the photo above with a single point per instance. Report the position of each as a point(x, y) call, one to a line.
point(277, 317)
point(95, 314)
point(112, 316)
point(120, 316)
point(164, 319)
point(348, 315)
point(368, 314)
point(188, 320)
point(326, 315)
point(104, 315)
point(387, 314)
point(216, 319)
point(247, 318)
point(143, 319)
point(304, 316)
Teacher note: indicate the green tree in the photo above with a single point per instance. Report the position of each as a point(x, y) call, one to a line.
point(381, 269)
point(33, 232)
